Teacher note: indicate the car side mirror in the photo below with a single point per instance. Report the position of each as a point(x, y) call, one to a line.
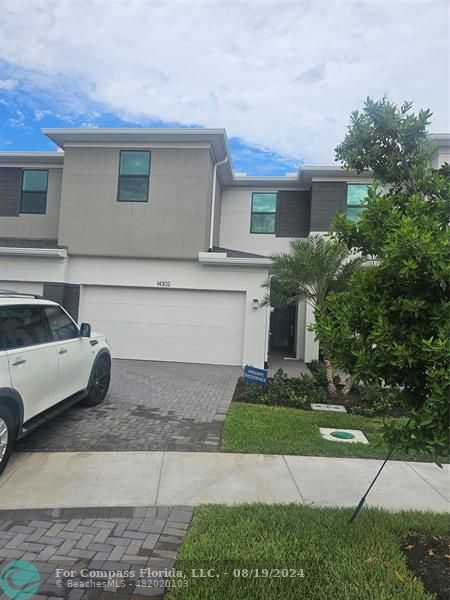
point(85, 330)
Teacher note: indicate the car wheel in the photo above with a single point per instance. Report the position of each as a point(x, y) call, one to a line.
point(7, 436)
point(100, 379)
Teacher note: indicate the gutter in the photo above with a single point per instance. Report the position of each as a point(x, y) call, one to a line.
point(44, 252)
point(213, 202)
point(220, 258)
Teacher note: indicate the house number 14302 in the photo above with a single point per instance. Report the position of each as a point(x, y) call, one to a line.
point(163, 283)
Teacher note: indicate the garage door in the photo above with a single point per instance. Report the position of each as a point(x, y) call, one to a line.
point(168, 325)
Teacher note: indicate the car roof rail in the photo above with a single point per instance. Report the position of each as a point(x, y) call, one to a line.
point(13, 294)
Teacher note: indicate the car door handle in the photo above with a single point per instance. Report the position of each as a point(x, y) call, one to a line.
point(93, 342)
point(63, 351)
point(18, 362)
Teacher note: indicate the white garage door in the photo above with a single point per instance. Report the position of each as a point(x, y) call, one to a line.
point(168, 325)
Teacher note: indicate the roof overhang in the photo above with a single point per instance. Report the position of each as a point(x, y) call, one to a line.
point(216, 139)
point(221, 258)
point(442, 140)
point(308, 173)
point(26, 159)
point(37, 252)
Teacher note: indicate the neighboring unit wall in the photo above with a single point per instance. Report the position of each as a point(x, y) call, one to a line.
point(174, 223)
point(235, 225)
point(32, 268)
point(441, 157)
point(26, 225)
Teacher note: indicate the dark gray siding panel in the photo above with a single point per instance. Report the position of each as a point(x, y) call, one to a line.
point(72, 299)
point(28, 243)
point(66, 294)
point(10, 186)
point(327, 198)
point(293, 210)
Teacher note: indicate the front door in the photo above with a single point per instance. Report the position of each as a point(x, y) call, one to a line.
point(282, 330)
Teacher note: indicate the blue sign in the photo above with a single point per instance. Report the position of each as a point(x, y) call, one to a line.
point(254, 375)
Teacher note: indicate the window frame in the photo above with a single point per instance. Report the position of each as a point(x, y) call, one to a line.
point(360, 207)
point(48, 331)
point(26, 212)
point(128, 176)
point(252, 212)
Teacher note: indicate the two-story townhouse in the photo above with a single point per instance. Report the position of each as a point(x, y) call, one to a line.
point(149, 235)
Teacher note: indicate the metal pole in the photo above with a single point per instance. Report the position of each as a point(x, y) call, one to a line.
point(363, 499)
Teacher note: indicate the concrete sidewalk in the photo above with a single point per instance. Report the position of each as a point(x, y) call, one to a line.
point(107, 479)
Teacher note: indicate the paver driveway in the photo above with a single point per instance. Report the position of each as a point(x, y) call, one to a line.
point(74, 549)
point(150, 406)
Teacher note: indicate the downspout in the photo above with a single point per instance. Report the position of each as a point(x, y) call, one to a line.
point(213, 202)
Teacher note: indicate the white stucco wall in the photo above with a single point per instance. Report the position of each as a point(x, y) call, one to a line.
point(32, 269)
point(441, 157)
point(235, 225)
point(183, 275)
point(37, 225)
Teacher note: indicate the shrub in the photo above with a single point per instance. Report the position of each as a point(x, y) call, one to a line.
point(318, 372)
point(303, 385)
point(376, 400)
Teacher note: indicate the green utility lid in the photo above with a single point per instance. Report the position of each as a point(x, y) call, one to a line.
point(342, 435)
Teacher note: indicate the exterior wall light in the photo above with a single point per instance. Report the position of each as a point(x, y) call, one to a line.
point(255, 303)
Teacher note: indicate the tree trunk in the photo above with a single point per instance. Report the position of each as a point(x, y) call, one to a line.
point(347, 386)
point(330, 382)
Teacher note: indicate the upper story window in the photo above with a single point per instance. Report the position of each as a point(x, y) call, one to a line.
point(356, 200)
point(264, 206)
point(134, 171)
point(34, 192)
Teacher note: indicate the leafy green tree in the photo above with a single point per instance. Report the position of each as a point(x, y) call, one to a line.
point(392, 325)
point(313, 268)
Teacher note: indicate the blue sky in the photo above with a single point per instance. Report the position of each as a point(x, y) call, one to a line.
point(23, 114)
point(282, 77)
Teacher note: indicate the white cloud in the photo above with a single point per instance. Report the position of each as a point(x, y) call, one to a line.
point(8, 84)
point(40, 114)
point(283, 75)
point(17, 121)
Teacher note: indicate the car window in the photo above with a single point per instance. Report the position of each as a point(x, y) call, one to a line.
point(60, 325)
point(23, 326)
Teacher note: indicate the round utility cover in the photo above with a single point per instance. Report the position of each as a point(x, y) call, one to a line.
point(342, 435)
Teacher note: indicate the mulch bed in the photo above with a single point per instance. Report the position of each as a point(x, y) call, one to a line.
point(352, 401)
point(428, 557)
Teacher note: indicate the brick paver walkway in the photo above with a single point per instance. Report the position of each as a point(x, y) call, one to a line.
point(142, 541)
point(150, 406)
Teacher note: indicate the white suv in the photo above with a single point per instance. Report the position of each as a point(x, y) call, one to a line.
point(47, 363)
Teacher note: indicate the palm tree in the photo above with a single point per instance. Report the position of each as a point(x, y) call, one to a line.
point(313, 268)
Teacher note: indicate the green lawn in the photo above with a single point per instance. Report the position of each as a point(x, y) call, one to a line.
point(361, 561)
point(279, 430)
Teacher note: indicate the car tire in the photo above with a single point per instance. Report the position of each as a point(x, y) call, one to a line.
point(100, 378)
point(8, 433)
